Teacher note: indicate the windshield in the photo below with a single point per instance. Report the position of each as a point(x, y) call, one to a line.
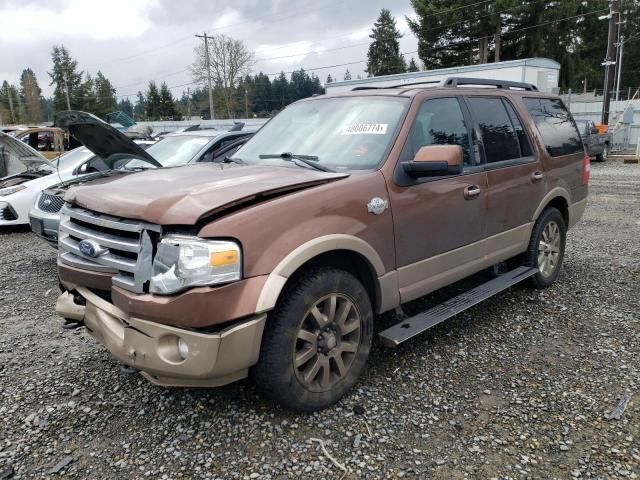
point(343, 132)
point(72, 158)
point(174, 151)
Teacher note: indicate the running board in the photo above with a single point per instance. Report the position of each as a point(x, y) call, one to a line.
point(412, 326)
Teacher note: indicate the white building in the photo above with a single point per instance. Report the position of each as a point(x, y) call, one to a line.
point(541, 72)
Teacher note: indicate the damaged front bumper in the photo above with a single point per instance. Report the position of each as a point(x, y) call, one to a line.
point(167, 355)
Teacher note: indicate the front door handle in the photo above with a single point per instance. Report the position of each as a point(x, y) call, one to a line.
point(471, 192)
point(537, 176)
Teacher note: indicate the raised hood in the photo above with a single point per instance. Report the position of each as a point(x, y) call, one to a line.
point(101, 138)
point(182, 196)
point(17, 157)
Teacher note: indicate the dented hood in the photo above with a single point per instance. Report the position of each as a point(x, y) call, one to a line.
point(182, 196)
point(101, 138)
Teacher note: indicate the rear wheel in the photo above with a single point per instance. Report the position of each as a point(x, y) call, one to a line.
point(546, 247)
point(605, 153)
point(317, 340)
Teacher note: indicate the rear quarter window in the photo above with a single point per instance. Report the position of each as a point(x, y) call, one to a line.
point(556, 126)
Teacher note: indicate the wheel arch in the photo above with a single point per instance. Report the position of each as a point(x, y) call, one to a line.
point(342, 251)
point(558, 198)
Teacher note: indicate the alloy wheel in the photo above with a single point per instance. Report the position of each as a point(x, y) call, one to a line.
point(549, 249)
point(327, 342)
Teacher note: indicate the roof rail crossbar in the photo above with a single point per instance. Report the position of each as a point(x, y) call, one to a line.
point(459, 81)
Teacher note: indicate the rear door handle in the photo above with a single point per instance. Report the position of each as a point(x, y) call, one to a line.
point(471, 192)
point(537, 176)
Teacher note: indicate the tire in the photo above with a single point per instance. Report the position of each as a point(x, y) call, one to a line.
point(550, 229)
point(602, 157)
point(329, 361)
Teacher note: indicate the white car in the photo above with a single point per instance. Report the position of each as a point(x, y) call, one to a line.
point(25, 173)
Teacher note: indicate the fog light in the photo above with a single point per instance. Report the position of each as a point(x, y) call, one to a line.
point(183, 348)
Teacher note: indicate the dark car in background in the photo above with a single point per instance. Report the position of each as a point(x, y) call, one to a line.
point(597, 143)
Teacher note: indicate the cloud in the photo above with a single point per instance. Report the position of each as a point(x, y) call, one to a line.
point(26, 23)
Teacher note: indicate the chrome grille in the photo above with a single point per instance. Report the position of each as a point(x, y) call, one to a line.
point(8, 214)
point(126, 246)
point(50, 203)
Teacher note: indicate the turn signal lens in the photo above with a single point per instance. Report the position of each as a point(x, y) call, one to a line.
point(221, 259)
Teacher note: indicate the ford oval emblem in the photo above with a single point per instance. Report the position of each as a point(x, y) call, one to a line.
point(90, 248)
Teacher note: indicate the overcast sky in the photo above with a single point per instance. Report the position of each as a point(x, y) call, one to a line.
point(134, 41)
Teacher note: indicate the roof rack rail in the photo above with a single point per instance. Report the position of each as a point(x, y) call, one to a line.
point(459, 81)
point(453, 82)
point(366, 88)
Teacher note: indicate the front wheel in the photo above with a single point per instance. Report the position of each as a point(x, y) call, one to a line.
point(317, 340)
point(546, 247)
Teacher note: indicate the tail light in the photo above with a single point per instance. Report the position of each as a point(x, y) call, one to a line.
point(586, 169)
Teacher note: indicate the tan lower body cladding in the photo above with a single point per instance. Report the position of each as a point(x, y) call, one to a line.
point(210, 360)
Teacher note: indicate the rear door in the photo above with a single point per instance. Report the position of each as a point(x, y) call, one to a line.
point(515, 175)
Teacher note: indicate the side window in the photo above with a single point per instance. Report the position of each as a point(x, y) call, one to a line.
point(556, 126)
point(498, 134)
point(523, 139)
point(439, 122)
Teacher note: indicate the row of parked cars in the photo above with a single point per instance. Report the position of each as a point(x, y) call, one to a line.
point(271, 256)
point(32, 187)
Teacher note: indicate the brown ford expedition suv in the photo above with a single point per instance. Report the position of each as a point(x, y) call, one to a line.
point(274, 262)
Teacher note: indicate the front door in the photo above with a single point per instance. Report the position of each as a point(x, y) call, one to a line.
point(439, 222)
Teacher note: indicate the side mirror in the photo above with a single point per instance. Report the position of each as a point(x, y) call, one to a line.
point(82, 169)
point(435, 161)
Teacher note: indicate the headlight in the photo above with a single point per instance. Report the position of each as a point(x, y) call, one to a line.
point(9, 190)
point(183, 262)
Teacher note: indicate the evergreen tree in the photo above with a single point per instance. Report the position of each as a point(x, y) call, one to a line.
point(64, 75)
point(280, 92)
point(167, 107)
point(85, 95)
point(30, 92)
point(140, 108)
point(329, 79)
point(347, 75)
point(384, 57)
point(153, 102)
point(413, 66)
point(105, 96)
point(125, 106)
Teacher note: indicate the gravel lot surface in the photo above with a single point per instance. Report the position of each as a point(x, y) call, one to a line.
point(517, 387)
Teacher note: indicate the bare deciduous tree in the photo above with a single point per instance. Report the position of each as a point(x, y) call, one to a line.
point(229, 60)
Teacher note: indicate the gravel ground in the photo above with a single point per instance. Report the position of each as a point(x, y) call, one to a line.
point(517, 387)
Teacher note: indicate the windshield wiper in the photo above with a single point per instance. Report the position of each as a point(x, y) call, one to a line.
point(135, 169)
point(309, 160)
point(237, 160)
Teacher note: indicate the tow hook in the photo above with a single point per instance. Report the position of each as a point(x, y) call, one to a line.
point(124, 368)
point(70, 324)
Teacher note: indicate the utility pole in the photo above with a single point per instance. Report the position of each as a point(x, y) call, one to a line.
point(619, 66)
point(208, 66)
point(614, 19)
point(66, 89)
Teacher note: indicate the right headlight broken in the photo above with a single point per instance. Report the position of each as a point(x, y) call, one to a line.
point(183, 261)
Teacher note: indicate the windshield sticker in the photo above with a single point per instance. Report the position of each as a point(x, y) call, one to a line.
point(365, 129)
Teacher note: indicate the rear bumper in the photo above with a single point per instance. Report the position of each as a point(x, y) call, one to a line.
point(45, 226)
point(212, 360)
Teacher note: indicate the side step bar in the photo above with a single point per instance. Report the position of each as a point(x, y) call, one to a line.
point(412, 326)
